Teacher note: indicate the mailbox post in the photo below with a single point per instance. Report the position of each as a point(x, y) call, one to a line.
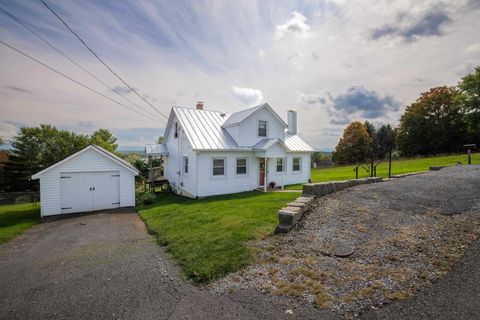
point(469, 151)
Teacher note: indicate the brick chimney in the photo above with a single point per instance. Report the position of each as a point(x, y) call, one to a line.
point(292, 121)
point(199, 105)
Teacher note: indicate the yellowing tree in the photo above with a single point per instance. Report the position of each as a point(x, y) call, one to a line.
point(354, 146)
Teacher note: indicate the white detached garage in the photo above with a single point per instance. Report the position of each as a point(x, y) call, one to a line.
point(88, 180)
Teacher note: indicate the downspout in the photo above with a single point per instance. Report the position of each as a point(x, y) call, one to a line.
point(265, 176)
point(196, 174)
point(179, 163)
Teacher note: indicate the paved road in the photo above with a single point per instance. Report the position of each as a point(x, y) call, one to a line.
point(106, 266)
point(455, 296)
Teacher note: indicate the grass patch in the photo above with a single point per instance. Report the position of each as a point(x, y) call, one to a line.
point(207, 237)
point(16, 218)
point(398, 167)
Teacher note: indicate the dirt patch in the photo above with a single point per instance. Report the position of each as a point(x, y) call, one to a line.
point(406, 233)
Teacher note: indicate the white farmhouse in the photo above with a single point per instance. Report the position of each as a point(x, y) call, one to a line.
point(210, 153)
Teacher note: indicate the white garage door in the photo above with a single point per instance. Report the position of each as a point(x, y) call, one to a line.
point(89, 191)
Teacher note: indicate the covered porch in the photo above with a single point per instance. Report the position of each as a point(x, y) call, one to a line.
point(272, 157)
point(155, 154)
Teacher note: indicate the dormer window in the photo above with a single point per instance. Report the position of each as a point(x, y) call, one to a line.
point(176, 129)
point(262, 128)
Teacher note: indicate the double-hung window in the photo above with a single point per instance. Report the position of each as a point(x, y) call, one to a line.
point(262, 128)
point(241, 166)
point(279, 164)
point(218, 167)
point(296, 164)
point(185, 164)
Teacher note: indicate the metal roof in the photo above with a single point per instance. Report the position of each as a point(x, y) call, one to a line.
point(296, 144)
point(205, 131)
point(156, 150)
point(237, 117)
point(266, 143)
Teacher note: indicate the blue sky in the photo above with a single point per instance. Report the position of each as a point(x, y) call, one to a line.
point(334, 61)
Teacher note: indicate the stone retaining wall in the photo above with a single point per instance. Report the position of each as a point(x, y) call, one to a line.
point(291, 214)
point(324, 188)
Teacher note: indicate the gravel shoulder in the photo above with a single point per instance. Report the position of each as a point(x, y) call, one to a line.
point(407, 234)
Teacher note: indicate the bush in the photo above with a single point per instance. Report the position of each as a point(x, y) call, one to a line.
point(145, 197)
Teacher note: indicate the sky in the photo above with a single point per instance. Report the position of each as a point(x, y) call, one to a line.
point(333, 61)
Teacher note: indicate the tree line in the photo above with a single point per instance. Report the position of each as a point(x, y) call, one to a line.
point(441, 120)
point(36, 148)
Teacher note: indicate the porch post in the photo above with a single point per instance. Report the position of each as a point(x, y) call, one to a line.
point(266, 181)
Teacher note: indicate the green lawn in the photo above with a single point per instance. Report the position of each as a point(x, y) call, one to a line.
point(15, 219)
point(398, 167)
point(207, 237)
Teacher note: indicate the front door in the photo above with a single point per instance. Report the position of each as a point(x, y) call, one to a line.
point(261, 171)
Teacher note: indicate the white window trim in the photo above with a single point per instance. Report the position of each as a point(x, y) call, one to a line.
point(300, 165)
point(246, 166)
point(266, 129)
point(188, 165)
point(283, 165)
point(224, 168)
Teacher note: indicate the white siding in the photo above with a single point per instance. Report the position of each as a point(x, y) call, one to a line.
point(230, 183)
point(289, 177)
point(87, 161)
point(246, 133)
point(178, 148)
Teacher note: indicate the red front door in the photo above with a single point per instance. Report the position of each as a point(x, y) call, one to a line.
point(262, 172)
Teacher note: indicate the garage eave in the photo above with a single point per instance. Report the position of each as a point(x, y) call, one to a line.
point(96, 148)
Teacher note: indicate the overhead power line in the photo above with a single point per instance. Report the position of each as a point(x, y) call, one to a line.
point(99, 59)
point(73, 80)
point(74, 62)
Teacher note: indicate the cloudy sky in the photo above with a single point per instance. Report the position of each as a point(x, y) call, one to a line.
point(333, 61)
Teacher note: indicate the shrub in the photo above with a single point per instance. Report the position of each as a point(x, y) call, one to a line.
point(145, 197)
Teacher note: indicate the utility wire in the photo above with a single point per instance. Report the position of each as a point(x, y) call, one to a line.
point(73, 80)
point(103, 62)
point(73, 61)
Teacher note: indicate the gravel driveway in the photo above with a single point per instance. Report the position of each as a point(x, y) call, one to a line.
point(106, 266)
point(407, 234)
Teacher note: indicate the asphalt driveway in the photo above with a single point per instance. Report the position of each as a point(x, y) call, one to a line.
point(106, 266)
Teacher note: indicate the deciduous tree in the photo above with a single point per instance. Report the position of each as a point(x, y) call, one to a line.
point(354, 146)
point(433, 124)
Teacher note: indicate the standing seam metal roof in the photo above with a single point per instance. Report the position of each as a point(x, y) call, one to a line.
point(204, 130)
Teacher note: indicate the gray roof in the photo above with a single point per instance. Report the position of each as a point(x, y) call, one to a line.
point(295, 143)
point(205, 131)
point(156, 149)
point(266, 143)
point(237, 117)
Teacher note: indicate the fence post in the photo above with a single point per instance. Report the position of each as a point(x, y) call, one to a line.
point(390, 164)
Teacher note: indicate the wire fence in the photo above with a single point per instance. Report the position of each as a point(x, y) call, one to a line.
point(19, 197)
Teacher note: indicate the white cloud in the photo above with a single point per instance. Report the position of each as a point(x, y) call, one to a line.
point(7, 131)
point(248, 95)
point(473, 49)
point(296, 25)
point(221, 44)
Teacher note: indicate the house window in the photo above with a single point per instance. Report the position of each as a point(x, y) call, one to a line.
point(176, 129)
point(296, 164)
point(262, 128)
point(279, 164)
point(218, 168)
point(242, 166)
point(185, 164)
